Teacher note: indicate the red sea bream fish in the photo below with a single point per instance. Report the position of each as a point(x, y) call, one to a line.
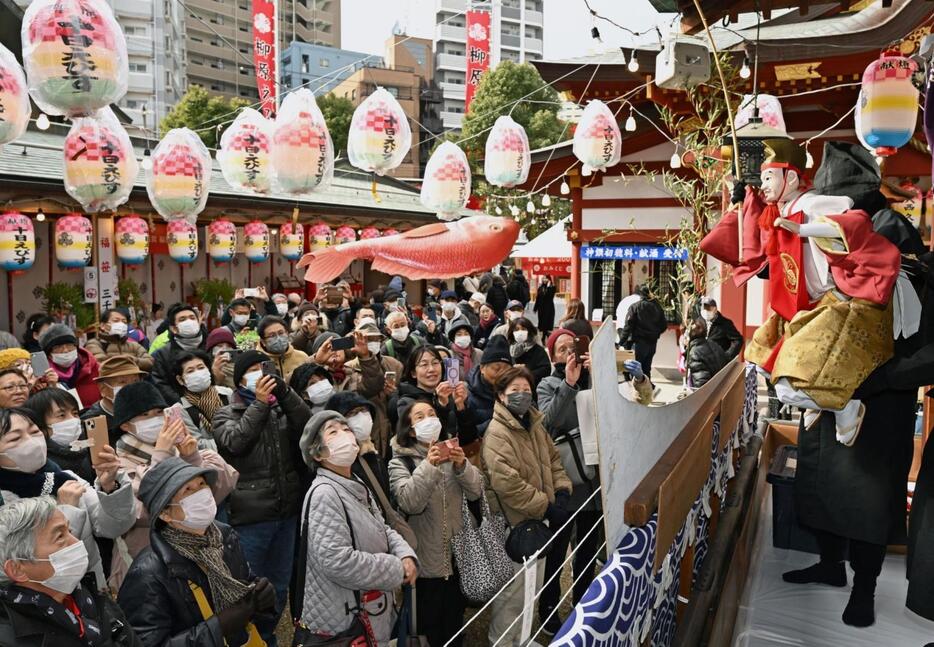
point(440, 250)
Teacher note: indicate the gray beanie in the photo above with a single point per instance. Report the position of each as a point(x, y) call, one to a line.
point(163, 480)
point(321, 338)
point(312, 428)
point(57, 334)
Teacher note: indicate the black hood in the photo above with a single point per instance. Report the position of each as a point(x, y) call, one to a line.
point(850, 170)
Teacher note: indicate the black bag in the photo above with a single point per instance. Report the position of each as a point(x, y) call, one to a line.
point(526, 538)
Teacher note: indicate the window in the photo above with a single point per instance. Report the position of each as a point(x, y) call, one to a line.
point(195, 39)
point(138, 67)
point(325, 62)
point(216, 87)
point(353, 94)
point(392, 90)
point(244, 93)
point(132, 104)
point(216, 42)
point(216, 19)
point(305, 63)
point(286, 62)
point(244, 29)
point(197, 60)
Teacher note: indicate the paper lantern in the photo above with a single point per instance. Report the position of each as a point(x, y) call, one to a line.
point(507, 158)
point(17, 242)
point(244, 154)
point(320, 236)
point(74, 240)
point(380, 135)
point(132, 240)
point(344, 234)
point(183, 241)
point(597, 140)
point(446, 186)
point(256, 241)
point(390, 232)
point(100, 165)
point(302, 152)
point(911, 207)
point(75, 56)
point(770, 111)
point(369, 232)
point(178, 181)
point(291, 241)
point(14, 98)
point(888, 103)
point(222, 241)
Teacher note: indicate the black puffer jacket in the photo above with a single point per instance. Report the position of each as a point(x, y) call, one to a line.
point(645, 322)
point(480, 400)
point(159, 603)
point(724, 334)
point(453, 422)
point(163, 367)
point(536, 360)
point(261, 442)
point(705, 359)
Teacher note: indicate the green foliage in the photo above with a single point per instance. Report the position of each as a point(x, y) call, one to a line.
point(202, 112)
point(214, 291)
point(337, 112)
point(61, 299)
point(129, 294)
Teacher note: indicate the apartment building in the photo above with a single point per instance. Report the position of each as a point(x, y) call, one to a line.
point(318, 67)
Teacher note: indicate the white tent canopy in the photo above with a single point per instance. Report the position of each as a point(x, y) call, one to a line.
point(551, 243)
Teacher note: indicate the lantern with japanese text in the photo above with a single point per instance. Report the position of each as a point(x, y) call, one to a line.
point(369, 232)
point(911, 207)
point(17, 242)
point(183, 241)
point(75, 56)
point(291, 241)
point(74, 240)
point(344, 234)
point(508, 157)
point(888, 103)
point(222, 241)
point(132, 240)
point(380, 135)
point(244, 154)
point(100, 166)
point(597, 140)
point(14, 99)
point(178, 181)
point(302, 151)
point(256, 241)
point(320, 236)
point(446, 187)
point(389, 232)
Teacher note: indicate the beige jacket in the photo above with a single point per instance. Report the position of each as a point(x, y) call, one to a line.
point(102, 348)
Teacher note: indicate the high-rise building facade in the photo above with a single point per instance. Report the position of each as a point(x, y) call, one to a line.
point(318, 67)
point(517, 35)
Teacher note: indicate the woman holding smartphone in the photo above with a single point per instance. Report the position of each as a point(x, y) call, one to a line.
point(429, 480)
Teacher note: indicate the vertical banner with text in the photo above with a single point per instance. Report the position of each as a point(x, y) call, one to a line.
point(478, 51)
point(106, 271)
point(264, 54)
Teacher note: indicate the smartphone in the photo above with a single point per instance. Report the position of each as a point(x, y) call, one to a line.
point(581, 346)
point(342, 343)
point(390, 376)
point(173, 413)
point(96, 430)
point(250, 292)
point(452, 442)
point(333, 296)
point(269, 368)
point(232, 354)
point(40, 363)
point(444, 449)
point(452, 370)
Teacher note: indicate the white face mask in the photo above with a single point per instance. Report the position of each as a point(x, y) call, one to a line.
point(29, 456)
point(366, 321)
point(66, 432)
point(65, 359)
point(462, 341)
point(148, 429)
point(198, 381)
point(70, 565)
point(199, 508)
point(400, 334)
point(119, 329)
point(116, 390)
point(373, 347)
point(427, 430)
point(361, 424)
point(319, 392)
point(521, 336)
point(708, 315)
point(189, 328)
point(282, 308)
point(240, 320)
point(251, 379)
point(510, 315)
point(342, 450)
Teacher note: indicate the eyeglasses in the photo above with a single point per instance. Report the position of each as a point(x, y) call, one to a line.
point(431, 364)
point(13, 388)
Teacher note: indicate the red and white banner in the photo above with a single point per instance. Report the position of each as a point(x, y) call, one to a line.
point(478, 51)
point(264, 54)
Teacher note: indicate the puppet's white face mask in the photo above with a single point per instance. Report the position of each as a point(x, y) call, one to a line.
point(778, 183)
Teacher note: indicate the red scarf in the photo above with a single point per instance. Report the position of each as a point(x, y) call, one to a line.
point(465, 355)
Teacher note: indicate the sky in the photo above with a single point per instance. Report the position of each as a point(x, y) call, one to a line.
point(567, 24)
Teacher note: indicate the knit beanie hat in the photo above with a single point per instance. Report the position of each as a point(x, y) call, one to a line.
point(136, 399)
point(219, 336)
point(57, 334)
point(10, 356)
point(463, 325)
point(244, 361)
point(320, 339)
point(497, 350)
point(553, 339)
point(344, 402)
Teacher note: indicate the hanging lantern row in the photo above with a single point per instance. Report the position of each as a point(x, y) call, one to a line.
point(320, 236)
point(222, 241)
point(74, 241)
point(131, 240)
point(291, 241)
point(183, 241)
point(256, 241)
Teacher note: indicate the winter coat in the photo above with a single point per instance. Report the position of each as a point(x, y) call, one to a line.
point(469, 312)
point(518, 289)
point(27, 625)
point(368, 378)
point(496, 296)
point(163, 367)
point(340, 321)
point(722, 331)
point(204, 435)
point(261, 442)
point(705, 359)
point(83, 379)
point(536, 360)
point(159, 602)
point(431, 496)
point(454, 423)
point(287, 362)
point(401, 350)
point(480, 399)
point(104, 347)
point(471, 285)
point(445, 325)
point(71, 460)
point(350, 548)
point(302, 341)
point(522, 466)
point(545, 307)
point(377, 465)
point(645, 322)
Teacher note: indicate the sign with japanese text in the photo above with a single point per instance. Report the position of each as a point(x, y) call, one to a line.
point(158, 238)
point(106, 272)
point(633, 253)
point(478, 51)
point(549, 266)
point(264, 54)
point(90, 284)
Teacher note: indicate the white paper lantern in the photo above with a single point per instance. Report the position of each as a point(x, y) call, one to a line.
point(17, 242)
point(245, 152)
point(507, 158)
point(380, 135)
point(183, 241)
point(291, 241)
point(446, 187)
point(597, 141)
point(302, 151)
point(131, 240)
point(178, 181)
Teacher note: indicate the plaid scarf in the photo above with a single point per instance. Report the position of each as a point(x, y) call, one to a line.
point(207, 552)
point(207, 403)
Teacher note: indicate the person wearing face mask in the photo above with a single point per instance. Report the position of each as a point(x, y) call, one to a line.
point(55, 412)
point(185, 334)
point(149, 438)
point(401, 341)
point(239, 314)
point(274, 341)
point(193, 585)
point(429, 483)
point(45, 596)
point(257, 433)
point(451, 314)
point(461, 338)
point(113, 340)
point(481, 380)
point(720, 330)
point(106, 509)
point(218, 346)
point(20, 359)
point(114, 374)
point(526, 481)
point(200, 396)
point(545, 305)
point(349, 557)
point(281, 303)
point(526, 349)
point(313, 384)
point(307, 327)
point(76, 367)
point(514, 310)
point(489, 322)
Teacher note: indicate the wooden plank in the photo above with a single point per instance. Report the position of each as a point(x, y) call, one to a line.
point(678, 492)
point(732, 408)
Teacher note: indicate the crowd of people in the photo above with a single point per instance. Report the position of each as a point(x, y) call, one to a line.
point(324, 453)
